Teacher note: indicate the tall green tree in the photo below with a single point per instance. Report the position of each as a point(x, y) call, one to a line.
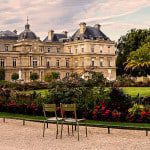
point(34, 76)
point(52, 76)
point(132, 41)
point(139, 60)
point(15, 76)
point(2, 74)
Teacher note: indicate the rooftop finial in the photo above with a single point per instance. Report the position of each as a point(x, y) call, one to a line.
point(27, 26)
point(27, 19)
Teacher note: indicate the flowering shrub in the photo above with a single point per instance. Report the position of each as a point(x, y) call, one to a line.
point(103, 112)
point(139, 113)
point(92, 103)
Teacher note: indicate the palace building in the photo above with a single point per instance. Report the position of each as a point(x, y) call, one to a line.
point(87, 49)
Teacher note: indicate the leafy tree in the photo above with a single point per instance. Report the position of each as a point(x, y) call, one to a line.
point(2, 74)
point(52, 76)
point(132, 41)
point(55, 75)
point(75, 89)
point(15, 76)
point(34, 76)
point(139, 60)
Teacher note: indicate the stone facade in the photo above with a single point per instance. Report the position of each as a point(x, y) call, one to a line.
point(88, 49)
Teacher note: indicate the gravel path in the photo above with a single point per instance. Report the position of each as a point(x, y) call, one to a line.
point(15, 136)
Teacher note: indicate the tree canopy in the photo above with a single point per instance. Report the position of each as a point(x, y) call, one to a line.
point(139, 60)
point(52, 76)
point(132, 41)
point(2, 74)
point(34, 76)
point(15, 76)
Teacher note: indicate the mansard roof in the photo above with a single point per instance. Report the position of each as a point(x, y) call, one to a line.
point(89, 33)
point(8, 35)
point(57, 37)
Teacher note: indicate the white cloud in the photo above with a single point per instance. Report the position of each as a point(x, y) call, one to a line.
point(65, 14)
point(112, 9)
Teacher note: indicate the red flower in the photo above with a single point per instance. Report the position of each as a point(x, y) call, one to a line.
point(97, 107)
point(143, 113)
point(94, 112)
point(107, 112)
point(12, 103)
point(103, 108)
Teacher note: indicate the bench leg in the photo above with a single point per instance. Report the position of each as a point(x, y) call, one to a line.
point(108, 130)
point(146, 132)
point(86, 130)
point(57, 130)
point(75, 127)
point(78, 130)
point(72, 129)
point(61, 129)
point(23, 122)
point(68, 129)
point(3, 119)
point(44, 129)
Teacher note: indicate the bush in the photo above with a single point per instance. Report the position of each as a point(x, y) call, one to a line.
point(139, 113)
point(15, 76)
point(112, 106)
point(74, 89)
point(127, 81)
point(52, 76)
point(23, 87)
point(30, 104)
point(2, 74)
point(34, 76)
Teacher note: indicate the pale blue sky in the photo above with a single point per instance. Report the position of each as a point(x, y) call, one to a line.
point(116, 16)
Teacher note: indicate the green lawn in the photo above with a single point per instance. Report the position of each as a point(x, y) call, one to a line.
point(89, 122)
point(133, 91)
point(43, 92)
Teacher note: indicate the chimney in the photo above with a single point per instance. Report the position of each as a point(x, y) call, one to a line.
point(50, 35)
point(15, 31)
point(82, 27)
point(97, 26)
point(65, 33)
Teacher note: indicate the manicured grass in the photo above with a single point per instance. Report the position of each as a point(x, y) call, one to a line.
point(43, 92)
point(89, 122)
point(20, 116)
point(133, 91)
